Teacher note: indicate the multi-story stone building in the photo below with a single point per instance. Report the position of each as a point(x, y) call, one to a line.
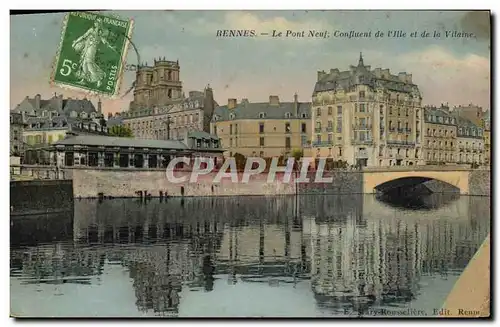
point(367, 117)
point(487, 137)
point(47, 121)
point(268, 129)
point(440, 136)
point(160, 110)
point(16, 134)
point(470, 142)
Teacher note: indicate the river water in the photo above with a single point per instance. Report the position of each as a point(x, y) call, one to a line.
point(306, 256)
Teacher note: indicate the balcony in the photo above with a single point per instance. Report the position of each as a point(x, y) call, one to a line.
point(361, 154)
point(392, 129)
point(402, 143)
point(401, 130)
point(329, 129)
point(362, 127)
point(323, 143)
point(367, 142)
point(408, 130)
point(317, 129)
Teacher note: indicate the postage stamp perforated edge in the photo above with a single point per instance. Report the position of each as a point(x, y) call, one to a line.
point(90, 92)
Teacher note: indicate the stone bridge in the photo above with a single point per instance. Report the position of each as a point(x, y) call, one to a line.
point(384, 179)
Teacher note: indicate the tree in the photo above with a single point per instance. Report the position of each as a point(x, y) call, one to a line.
point(120, 131)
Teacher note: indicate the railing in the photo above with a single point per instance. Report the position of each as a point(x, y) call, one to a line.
point(354, 141)
point(400, 130)
point(329, 129)
point(361, 154)
point(317, 129)
point(362, 127)
point(323, 143)
point(400, 142)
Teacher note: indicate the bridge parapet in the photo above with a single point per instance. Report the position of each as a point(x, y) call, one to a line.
point(422, 168)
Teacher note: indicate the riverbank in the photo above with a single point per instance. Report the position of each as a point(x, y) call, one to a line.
point(37, 197)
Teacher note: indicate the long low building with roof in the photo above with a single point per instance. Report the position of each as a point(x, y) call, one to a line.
point(123, 152)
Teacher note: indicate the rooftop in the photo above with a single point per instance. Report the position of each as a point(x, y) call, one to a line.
point(109, 141)
point(252, 110)
point(362, 74)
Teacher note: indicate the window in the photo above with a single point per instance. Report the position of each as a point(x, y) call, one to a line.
point(339, 124)
point(261, 141)
point(261, 153)
point(318, 112)
point(304, 115)
point(361, 94)
point(339, 110)
point(231, 142)
point(330, 138)
point(231, 129)
point(287, 128)
point(330, 111)
point(235, 128)
point(262, 115)
point(318, 138)
point(330, 124)
point(261, 128)
point(318, 125)
point(361, 107)
point(215, 129)
point(303, 128)
point(288, 115)
point(287, 142)
point(303, 139)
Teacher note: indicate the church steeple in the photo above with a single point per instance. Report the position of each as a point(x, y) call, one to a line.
point(360, 63)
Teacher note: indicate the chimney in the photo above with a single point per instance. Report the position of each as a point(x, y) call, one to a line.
point(37, 101)
point(110, 115)
point(321, 74)
point(296, 104)
point(274, 100)
point(231, 103)
point(99, 106)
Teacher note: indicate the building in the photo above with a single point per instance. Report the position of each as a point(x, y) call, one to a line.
point(487, 137)
point(265, 129)
point(440, 136)
point(47, 121)
point(367, 117)
point(16, 135)
point(160, 110)
point(122, 152)
point(470, 142)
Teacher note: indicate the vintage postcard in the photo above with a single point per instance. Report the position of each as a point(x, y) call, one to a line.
point(293, 164)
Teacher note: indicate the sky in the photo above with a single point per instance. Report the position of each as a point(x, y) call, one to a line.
point(447, 70)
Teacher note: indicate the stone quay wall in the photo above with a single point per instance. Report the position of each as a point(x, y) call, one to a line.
point(131, 183)
point(40, 197)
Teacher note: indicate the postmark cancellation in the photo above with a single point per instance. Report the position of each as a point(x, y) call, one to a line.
point(91, 53)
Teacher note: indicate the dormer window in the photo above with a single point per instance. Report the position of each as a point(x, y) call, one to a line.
point(304, 115)
point(231, 116)
point(262, 115)
point(83, 114)
point(216, 118)
point(288, 115)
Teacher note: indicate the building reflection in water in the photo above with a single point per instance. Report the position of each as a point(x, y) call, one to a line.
point(355, 251)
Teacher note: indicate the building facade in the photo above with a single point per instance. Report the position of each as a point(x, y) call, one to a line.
point(440, 140)
point(160, 110)
point(471, 112)
point(47, 121)
point(16, 135)
point(470, 143)
point(487, 137)
point(263, 129)
point(367, 117)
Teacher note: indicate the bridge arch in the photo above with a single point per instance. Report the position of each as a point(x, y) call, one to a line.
point(374, 180)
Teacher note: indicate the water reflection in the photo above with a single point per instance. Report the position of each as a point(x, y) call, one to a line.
point(343, 255)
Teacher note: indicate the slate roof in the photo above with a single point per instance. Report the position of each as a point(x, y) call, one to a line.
point(110, 141)
point(56, 103)
point(249, 110)
point(361, 74)
point(202, 135)
point(114, 121)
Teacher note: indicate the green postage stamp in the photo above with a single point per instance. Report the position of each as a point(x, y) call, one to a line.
point(92, 53)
